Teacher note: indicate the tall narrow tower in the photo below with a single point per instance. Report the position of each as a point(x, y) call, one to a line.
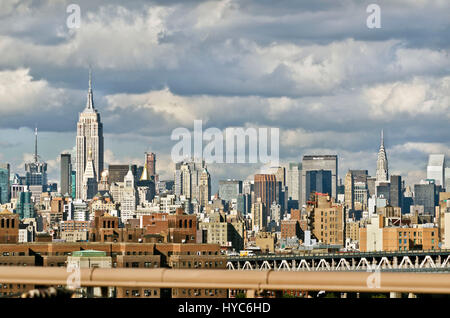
point(89, 136)
point(36, 171)
point(382, 163)
point(150, 162)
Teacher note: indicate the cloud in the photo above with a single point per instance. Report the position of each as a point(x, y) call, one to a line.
point(416, 97)
point(311, 68)
point(427, 148)
point(19, 93)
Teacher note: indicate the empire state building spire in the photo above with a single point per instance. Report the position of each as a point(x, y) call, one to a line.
point(382, 163)
point(90, 97)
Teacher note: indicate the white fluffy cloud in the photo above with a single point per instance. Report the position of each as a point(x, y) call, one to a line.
point(426, 148)
point(418, 96)
point(21, 94)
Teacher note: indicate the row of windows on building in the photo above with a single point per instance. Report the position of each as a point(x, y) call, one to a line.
point(73, 226)
point(137, 264)
point(331, 220)
point(137, 293)
point(196, 264)
point(331, 226)
point(405, 234)
point(180, 224)
point(113, 254)
point(5, 224)
point(405, 241)
point(11, 286)
point(13, 253)
point(405, 248)
point(197, 292)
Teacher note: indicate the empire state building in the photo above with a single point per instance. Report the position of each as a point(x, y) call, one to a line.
point(89, 142)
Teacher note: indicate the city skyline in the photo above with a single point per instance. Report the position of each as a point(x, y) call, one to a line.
point(330, 91)
point(224, 149)
point(257, 168)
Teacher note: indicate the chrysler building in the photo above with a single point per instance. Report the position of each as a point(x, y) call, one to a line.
point(382, 163)
point(89, 139)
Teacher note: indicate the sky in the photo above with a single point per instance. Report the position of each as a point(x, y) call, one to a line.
point(311, 68)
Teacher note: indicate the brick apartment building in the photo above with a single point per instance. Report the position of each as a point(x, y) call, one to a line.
point(376, 236)
point(176, 228)
point(326, 219)
point(9, 227)
point(105, 228)
point(123, 255)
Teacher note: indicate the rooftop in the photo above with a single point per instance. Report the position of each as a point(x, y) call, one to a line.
point(89, 253)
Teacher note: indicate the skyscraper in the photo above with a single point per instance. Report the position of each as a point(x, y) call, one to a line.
point(447, 176)
point(266, 189)
point(229, 189)
point(5, 193)
point(382, 174)
point(356, 189)
point(294, 180)
point(89, 138)
point(73, 178)
point(395, 189)
point(127, 197)
point(36, 171)
point(259, 215)
point(435, 169)
point(204, 187)
point(150, 162)
point(90, 184)
point(116, 173)
point(187, 178)
point(320, 162)
point(66, 171)
point(25, 206)
point(425, 194)
point(318, 181)
point(349, 191)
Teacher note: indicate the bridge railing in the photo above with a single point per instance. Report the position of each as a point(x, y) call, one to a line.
point(344, 254)
point(417, 283)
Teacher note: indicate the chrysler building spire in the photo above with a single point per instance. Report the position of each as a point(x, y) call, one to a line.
point(382, 162)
